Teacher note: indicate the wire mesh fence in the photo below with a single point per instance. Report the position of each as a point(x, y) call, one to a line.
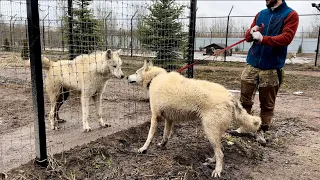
point(73, 80)
point(73, 84)
point(16, 130)
point(212, 30)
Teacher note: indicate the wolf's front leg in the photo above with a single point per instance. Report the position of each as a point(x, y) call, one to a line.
point(85, 112)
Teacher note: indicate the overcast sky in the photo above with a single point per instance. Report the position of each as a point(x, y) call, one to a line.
point(205, 8)
point(243, 8)
point(222, 8)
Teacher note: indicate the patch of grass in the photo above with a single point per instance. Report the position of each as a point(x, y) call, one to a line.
point(300, 83)
point(301, 67)
point(231, 79)
point(224, 64)
point(12, 61)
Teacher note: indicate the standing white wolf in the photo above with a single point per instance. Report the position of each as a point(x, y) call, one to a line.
point(175, 98)
point(87, 74)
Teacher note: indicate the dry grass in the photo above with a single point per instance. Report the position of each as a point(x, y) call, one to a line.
point(11, 59)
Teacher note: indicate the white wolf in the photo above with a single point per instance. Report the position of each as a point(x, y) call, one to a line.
point(87, 74)
point(175, 98)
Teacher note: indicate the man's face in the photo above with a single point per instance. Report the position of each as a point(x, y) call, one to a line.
point(271, 3)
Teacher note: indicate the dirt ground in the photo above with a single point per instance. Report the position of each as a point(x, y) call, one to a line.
point(293, 151)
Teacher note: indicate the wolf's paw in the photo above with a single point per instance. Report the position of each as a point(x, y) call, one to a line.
point(142, 150)
point(61, 121)
point(216, 173)
point(54, 127)
point(162, 145)
point(104, 125)
point(88, 129)
point(234, 133)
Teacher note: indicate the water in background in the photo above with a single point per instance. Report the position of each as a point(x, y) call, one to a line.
point(308, 45)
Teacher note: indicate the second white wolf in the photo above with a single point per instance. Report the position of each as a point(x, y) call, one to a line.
point(175, 98)
point(87, 74)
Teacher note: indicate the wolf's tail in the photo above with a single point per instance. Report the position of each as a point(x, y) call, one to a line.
point(247, 122)
point(46, 63)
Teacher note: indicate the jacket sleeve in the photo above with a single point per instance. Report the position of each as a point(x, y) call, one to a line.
point(289, 30)
point(248, 36)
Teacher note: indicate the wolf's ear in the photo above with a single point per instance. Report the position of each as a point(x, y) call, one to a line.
point(109, 53)
point(119, 51)
point(150, 63)
point(145, 64)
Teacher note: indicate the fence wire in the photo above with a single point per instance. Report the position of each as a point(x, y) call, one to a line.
point(94, 26)
point(213, 30)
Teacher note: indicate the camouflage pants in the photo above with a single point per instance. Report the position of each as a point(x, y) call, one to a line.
point(267, 82)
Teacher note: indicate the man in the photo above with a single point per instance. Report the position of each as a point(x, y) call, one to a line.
point(266, 58)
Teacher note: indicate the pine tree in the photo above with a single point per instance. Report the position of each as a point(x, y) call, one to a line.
point(161, 32)
point(6, 45)
point(86, 29)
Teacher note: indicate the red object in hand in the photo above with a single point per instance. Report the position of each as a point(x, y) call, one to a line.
point(248, 36)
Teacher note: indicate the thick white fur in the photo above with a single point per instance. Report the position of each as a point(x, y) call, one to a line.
point(175, 98)
point(87, 74)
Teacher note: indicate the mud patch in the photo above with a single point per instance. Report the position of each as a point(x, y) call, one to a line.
point(116, 157)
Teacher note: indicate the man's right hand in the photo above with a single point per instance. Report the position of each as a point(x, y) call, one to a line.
point(248, 36)
point(249, 33)
point(254, 29)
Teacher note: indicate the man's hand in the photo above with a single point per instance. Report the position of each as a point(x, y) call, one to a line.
point(254, 29)
point(257, 36)
point(248, 36)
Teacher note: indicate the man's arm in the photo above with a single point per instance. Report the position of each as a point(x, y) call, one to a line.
point(248, 36)
point(289, 30)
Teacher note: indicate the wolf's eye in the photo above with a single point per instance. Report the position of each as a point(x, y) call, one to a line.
point(114, 66)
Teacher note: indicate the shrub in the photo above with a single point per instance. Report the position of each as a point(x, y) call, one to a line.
point(25, 49)
point(6, 45)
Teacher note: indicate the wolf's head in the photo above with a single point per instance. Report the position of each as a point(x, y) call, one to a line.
point(248, 122)
point(114, 63)
point(145, 74)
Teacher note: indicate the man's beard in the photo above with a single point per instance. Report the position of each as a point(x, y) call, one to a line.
point(272, 3)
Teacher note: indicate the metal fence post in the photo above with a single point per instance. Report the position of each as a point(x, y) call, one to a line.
point(192, 33)
point(106, 30)
point(70, 19)
point(43, 33)
point(317, 51)
point(225, 52)
point(131, 43)
point(26, 24)
point(62, 35)
point(11, 32)
point(13, 37)
point(36, 80)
